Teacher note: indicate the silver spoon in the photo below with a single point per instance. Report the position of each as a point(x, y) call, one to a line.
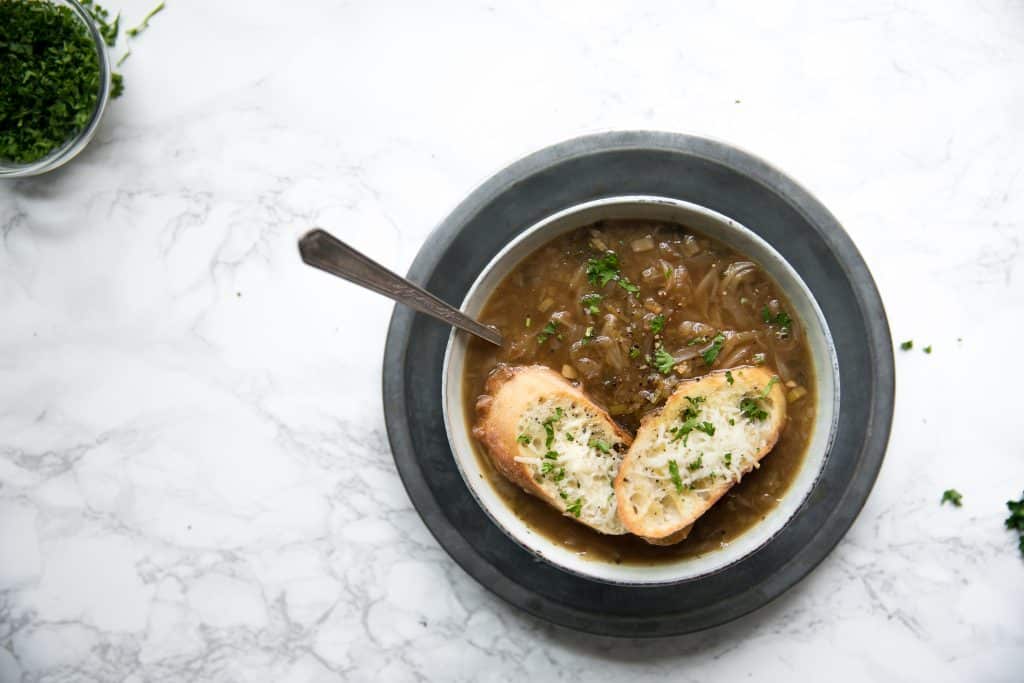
point(326, 252)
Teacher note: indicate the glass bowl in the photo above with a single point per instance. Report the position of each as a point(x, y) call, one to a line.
point(77, 142)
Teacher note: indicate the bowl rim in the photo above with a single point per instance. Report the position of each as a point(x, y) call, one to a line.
point(71, 147)
point(511, 253)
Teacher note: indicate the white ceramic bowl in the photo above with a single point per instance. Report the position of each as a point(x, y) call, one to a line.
point(711, 224)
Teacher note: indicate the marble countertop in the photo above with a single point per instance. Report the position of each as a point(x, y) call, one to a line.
point(195, 483)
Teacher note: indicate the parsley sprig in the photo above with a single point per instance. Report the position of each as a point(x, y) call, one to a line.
point(1016, 519)
point(591, 303)
point(673, 470)
point(132, 32)
point(547, 331)
point(663, 360)
point(750, 408)
point(711, 353)
point(605, 269)
point(781, 319)
point(952, 496)
point(691, 422)
point(549, 426)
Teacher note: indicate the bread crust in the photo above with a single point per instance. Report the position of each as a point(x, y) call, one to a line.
point(672, 531)
point(510, 391)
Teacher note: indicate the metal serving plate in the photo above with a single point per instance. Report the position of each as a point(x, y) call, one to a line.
point(707, 174)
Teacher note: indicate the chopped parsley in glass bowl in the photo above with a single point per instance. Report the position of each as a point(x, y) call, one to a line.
point(55, 76)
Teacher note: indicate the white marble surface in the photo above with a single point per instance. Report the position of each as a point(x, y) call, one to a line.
point(194, 478)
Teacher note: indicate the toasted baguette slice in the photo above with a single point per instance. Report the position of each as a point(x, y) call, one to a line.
point(677, 467)
point(545, 435)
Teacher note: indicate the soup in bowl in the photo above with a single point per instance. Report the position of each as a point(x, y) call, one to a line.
point(629, 299)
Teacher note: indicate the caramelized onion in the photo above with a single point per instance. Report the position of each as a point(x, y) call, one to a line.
point(697, 287)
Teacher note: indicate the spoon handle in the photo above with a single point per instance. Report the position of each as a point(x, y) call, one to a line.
point(326, 252)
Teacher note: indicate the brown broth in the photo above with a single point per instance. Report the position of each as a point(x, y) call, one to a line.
point(701, 288)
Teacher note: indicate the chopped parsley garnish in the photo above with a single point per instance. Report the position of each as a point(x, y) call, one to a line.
point(600, 445)
point(523, 439)
point(575, 508)
point(728, 377)
point(1016, 519)
point(673, 470)
point(768, 388)
point(691, 411)
point(634, 351)
point(711, 353)
point(750, 408)
point(690, 423)
point(569, 436)
point(551, 455)
point(727, 459)
point(907, 345)
point(683, 431)
point(49, 77)
point(591, 303)
point(560, 474)
point(664, 361)
point(696, 464)
point(628, 286)
point(732, 421)
point(547, 467)
point(601, 271)
point(132, 32)
point(546, 331)
point(928, 349)
point(952, 496)
point(549, 427)
point(657, 324)
point(782, 319)
point(107, 28)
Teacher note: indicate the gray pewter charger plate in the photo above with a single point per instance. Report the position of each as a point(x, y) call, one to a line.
point(708, 174)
